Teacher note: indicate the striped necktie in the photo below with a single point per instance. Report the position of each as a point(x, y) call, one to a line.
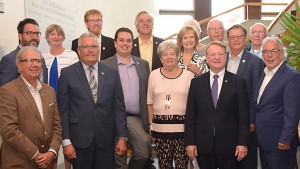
point(93, 83)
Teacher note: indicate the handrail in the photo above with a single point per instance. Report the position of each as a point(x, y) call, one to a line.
point(235, 8)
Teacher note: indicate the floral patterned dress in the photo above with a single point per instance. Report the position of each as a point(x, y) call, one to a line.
point(197, 59)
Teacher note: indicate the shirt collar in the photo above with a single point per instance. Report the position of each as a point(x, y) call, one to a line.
point(30, 87)
point(86, 66)
point(142, 43)
point(267, 71)
point(119, 62)
point(221, 73)
point(239, 56)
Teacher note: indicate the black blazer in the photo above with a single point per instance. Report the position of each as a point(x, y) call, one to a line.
point(107, 47)
point(230, 119)
point(155, 58)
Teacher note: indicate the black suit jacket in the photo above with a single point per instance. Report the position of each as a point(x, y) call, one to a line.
point(84, 120)
point(9, 70)
point(229, 120)
point(142, 68)
point(155, 58)
point(107, 47)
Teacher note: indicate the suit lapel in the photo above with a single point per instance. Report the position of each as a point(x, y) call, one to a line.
point(83, 79)
point(272, 81)
point(136, 47)
point(207, 88)
point(243, 62)
point(101, 80)
point(139, 71)
point(27, 95)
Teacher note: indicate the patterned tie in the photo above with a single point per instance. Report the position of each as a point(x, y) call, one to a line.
point(53, 79)
point(93, 83)
point(214, 90)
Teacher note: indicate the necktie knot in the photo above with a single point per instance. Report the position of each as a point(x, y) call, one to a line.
point(91, 68)
point(216, 76)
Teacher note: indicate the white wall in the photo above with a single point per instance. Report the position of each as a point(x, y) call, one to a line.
point(116, 14)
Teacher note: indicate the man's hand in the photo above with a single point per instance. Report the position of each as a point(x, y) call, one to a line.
point(191, 151)
point(241, 152)
point(282, 146)
point(44, 160)
point(69, 152)
point(121, 147)
point(252, 127)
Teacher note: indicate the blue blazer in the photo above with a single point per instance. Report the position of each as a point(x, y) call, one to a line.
point(9, 70)
point(84, 120)
point(278, 110)
point(250, 69)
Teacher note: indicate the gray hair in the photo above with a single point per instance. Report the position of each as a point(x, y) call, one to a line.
point(25, 49)
point(259, 23)
point(218, 43)
point(88, 34)
point(276, 40)
point(140, 13)
point(208, 24)
point(168, 44)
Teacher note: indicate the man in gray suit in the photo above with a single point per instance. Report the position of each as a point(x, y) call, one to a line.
point(92, 110)
point(248, 66)
point(134, 73)
point(29, 35)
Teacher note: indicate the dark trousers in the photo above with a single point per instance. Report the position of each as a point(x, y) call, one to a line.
point(279, 159)
point(250, 161)
point(93, 157)
point(215, 160)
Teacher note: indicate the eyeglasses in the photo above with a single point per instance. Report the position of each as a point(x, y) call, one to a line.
point(30, 33)
point(239, 37)
point(216, 54)
point(31, 60)
point(94, 20)
point(259, 33)
point(216, 28)
point(273, 51)
point(90, 47)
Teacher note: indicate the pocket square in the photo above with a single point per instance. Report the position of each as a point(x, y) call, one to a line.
point(51, 104)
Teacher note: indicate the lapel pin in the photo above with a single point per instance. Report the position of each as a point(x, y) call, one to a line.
point(156, 43)
point(226, 81)
point(102, 73)
point(243, 61)
point(103, 48)
point(135, 44)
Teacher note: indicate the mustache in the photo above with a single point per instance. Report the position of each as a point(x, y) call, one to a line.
point(33, 40)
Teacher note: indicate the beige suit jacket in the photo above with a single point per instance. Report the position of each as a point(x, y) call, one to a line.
point(21, 126)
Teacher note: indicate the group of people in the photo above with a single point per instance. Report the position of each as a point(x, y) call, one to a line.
point(214, 103)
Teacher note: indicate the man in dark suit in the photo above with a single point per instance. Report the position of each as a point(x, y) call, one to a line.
point(134, 73)
point(29, 119)
point(92, 110)
point(278, 108)
point(145, 45)
point(29, 35)
point(94, 22)
point(217, 115)
point(248, 66)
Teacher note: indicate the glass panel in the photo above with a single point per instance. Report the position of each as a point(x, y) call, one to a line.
point(167, 25)
point(175, 4)
point(219, 6)
point(274, 8)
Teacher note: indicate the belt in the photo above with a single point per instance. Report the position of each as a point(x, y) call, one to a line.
point(132, 114)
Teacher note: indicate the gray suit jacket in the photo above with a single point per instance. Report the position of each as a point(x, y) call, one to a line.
point(142, 68)
point(250, 68)
point(84, 120)
point(9, 71)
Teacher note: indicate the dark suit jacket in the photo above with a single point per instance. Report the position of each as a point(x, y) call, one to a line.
point(22, 128)
point(250, 68)
point(107, 47)
point(155, 58)
point(9, 70)
point(278, 110)
point(230, 118)
point(142, 68)
point(82, 119)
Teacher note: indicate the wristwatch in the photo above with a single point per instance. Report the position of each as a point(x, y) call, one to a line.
point(125, 138)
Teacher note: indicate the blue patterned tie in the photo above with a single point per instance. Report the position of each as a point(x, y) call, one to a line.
point(53, 80)
point(214, 90)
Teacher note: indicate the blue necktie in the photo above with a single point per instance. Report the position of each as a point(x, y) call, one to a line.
point(214, 90)
point(53, 80)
